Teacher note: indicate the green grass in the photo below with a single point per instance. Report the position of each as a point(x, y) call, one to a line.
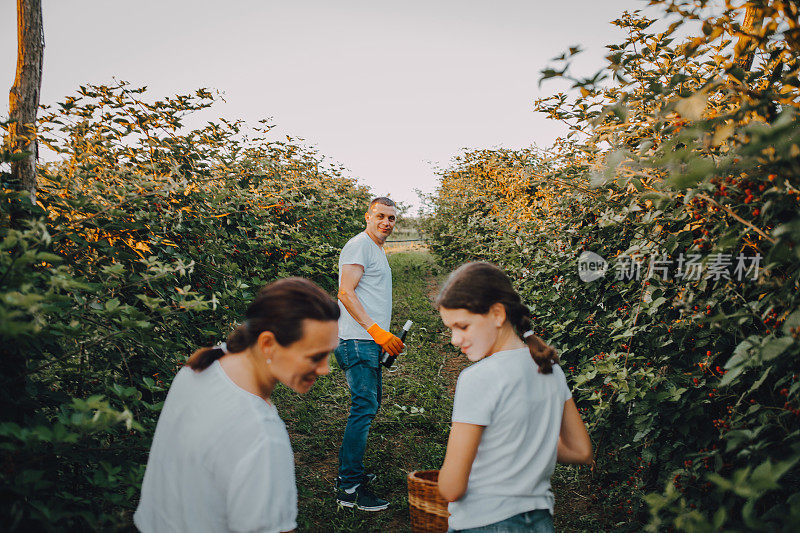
point(400, 440)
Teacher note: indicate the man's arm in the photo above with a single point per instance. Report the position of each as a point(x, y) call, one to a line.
point(351, 275)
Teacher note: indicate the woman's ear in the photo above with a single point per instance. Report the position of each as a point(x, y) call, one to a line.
point(498, 313)
point(266, 341)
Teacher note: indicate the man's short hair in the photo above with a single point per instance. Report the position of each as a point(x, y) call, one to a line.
point(383, 200)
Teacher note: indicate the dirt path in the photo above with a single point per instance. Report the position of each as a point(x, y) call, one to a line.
point(410, 431)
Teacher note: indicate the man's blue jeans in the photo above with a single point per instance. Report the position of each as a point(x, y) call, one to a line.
point(360, 361)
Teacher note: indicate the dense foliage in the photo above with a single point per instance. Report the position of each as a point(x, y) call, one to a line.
point(684, 150)
point(147, 241)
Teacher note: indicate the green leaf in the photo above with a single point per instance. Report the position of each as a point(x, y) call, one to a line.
point(742, 352)
point(761, 380)
point(765, 477)
point(719, 518)
point(790, 230)
point(775, 347)
point(50, 258)
point(731, 375)
point(655, 305)
point(697, 169)
point(720, 481)
point(792, 322)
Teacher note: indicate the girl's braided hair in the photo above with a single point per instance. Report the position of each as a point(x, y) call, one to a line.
point(477, 286)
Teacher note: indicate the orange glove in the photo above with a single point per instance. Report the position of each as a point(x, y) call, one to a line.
point(390, 343)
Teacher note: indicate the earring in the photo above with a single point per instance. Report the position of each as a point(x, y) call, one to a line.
point(269, 361)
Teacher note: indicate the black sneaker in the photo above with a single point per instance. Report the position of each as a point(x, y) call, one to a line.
point(361, 498)
point(366, 479)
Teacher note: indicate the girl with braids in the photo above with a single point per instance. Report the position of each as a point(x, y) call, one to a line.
point(221, 458)
point(513, 414)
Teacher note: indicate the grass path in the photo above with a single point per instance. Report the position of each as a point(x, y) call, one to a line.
point(410, 430)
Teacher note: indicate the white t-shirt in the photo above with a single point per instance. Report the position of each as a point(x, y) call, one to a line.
point(522, 411)
point(221, 460)
point(374, 289)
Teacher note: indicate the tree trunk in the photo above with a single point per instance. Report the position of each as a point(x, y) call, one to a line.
point(15, 400)
point(23, 101)
point(743, 52)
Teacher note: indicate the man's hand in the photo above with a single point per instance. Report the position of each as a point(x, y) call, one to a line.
point(390, 343)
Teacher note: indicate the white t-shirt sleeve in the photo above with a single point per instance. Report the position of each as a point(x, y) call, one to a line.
point(262, 496)
point(355, 252)
point(563, 388)
point(475, 399)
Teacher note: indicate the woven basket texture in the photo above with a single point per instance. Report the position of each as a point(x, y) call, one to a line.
point(427, 508)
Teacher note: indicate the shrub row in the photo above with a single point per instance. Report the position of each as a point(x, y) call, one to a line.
point(146, 241)
point(677, 154)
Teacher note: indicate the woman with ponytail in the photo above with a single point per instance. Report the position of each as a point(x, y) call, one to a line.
point(221, 458)
point(513, 413)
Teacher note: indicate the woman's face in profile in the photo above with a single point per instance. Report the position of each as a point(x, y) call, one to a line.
point(299, 364)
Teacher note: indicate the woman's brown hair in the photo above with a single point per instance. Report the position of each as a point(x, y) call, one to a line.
point(477, 286)
point(279, 307)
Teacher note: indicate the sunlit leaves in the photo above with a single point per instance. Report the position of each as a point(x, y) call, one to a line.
point(680, 149)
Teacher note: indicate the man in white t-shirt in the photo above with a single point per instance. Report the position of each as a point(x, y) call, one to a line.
point(365, 299)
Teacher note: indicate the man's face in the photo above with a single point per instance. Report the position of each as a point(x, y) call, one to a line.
point(380, 221)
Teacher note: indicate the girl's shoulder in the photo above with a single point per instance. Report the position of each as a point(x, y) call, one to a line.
point(478, 375)
point(559, 373)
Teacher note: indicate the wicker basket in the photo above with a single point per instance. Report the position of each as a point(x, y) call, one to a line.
point(428, 509)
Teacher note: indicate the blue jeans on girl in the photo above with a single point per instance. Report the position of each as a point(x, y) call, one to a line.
point(536, 521)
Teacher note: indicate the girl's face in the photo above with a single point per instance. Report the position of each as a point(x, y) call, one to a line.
point(299, 364)
point(475, 335)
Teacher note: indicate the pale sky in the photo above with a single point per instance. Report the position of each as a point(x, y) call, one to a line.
point(387, 89)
